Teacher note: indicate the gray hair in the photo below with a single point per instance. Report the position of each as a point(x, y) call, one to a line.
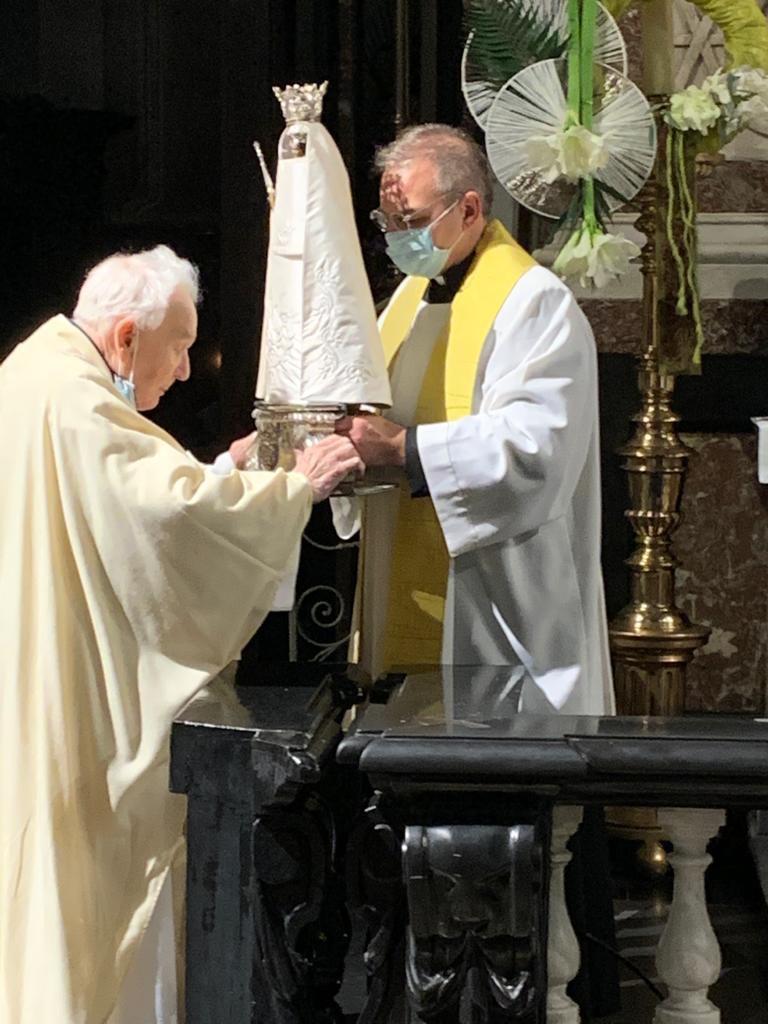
point(135, 284)
point(460, 164)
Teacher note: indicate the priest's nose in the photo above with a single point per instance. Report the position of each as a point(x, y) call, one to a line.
point(183, 370)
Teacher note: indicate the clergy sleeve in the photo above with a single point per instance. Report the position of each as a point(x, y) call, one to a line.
point(512, 466)
point(414, 471)
point(193, 558)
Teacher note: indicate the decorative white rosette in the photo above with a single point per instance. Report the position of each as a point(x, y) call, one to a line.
point(568, 135)
point(573, 153)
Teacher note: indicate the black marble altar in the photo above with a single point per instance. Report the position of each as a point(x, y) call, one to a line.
point(267, 928)
point(449, 730)
point(430, 820)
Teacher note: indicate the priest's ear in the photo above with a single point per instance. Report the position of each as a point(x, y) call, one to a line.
point(471, 208)
point(125, 333)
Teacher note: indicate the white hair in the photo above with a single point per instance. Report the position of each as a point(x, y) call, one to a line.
point(135, 284)
point(460, 164)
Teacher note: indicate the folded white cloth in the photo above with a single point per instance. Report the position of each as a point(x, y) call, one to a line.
point(223, 464)
point(347, 516)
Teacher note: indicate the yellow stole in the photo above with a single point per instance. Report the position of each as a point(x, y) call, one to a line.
point(420, 559)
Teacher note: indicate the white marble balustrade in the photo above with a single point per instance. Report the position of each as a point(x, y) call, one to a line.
point(563, 956)
point(688, 956)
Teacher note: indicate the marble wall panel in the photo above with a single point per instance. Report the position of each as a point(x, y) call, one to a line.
point(722, 544)
point(730, 328)
point(735, 186)
point(617, 324)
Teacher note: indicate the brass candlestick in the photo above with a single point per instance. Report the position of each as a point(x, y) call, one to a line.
point(652, 640)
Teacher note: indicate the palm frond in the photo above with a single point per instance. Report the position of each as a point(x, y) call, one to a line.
point(573, 216)
point(508, 36)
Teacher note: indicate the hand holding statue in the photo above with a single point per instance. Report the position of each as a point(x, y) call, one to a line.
point(378, 441)
point(326, 463)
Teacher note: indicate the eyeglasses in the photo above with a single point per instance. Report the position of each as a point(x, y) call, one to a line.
point(386, 220)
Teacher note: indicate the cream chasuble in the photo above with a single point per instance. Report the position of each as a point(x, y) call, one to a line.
point(512, 464)
point(131, 575)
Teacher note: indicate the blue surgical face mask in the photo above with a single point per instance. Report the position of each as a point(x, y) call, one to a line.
point(125, 385)
point(126, 388)
point(414, 252)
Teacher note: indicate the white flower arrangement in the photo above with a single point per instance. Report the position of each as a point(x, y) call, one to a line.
point(572, 153)
point(593, 257)
point(703, 119)
point(724, 104)
point(693, 109)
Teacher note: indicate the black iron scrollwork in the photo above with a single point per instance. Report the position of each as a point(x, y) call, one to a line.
point(320, 625)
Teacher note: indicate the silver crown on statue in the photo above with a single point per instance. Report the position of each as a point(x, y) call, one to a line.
point(301, 102)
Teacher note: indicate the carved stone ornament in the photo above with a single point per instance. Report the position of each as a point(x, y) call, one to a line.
point(301, 925)
point(301, 102)
point(474, 921)
point(376, 896)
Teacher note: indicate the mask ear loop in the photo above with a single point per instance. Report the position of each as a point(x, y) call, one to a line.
point(130, 376)
point(125, 385)
point(440, 217)
point(135, 356)
point(446, 211)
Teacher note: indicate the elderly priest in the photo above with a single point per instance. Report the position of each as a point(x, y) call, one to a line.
point(131, 574)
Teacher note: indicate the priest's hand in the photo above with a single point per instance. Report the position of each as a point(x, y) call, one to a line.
point(238, 450)
point(379, 441)
point(326, 463)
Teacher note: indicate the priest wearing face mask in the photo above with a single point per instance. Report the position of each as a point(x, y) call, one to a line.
point(490, 554)
point(131, 575)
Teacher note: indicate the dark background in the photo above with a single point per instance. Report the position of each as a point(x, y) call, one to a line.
point(125, 123)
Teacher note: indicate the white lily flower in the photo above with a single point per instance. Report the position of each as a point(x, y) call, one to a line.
point(572, 261)
point(717, 86)
point(543, 154)
point(595, 258)
point(581, 153)
point(693, 109)
point(572, 154)
point(610, 258)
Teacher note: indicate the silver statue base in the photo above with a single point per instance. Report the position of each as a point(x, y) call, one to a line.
point(282, 430)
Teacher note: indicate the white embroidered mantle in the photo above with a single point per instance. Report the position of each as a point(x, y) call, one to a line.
point(320, 342)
